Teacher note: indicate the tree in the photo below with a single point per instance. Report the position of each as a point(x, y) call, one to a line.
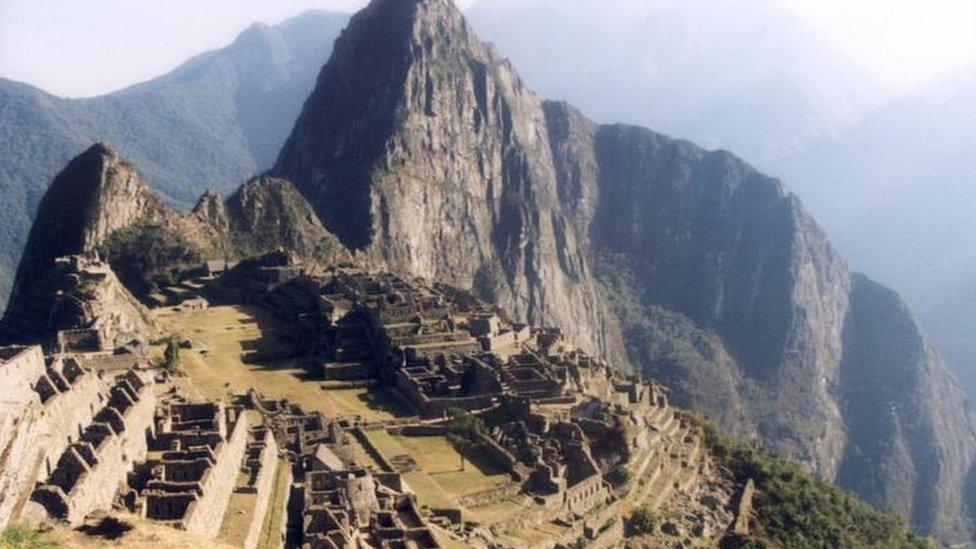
point(172, 354)
point(642, 521)
point(464, 432)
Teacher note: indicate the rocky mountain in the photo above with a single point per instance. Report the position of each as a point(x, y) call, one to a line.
point(904, 178)
point(100, 205)
point(423, 151)
point(882, 172)
point(213, 122)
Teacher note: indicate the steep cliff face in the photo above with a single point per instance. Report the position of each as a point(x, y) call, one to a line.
point(422, 150)
point(912, 439)
point(708, 236)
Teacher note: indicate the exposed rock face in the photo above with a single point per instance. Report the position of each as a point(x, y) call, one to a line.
point(266, 214)
point(423, 151)
point(911, 431)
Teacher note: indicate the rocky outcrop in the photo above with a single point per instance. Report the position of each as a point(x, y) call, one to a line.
point(95, 195)
point(213, 121)
point(62, 284)
point(267, 214)
point(423, 151)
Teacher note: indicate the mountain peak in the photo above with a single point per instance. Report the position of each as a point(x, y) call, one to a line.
point(101, 149)
point(97, 193)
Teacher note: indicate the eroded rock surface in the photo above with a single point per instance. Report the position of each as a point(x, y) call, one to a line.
point(422, 150)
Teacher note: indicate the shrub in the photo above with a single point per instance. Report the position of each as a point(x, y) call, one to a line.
point(795, 509)
point(171, 355)
point(619, 476)
point(465, 431)
point(21, 537)
point(147, 257)
point(643, 521)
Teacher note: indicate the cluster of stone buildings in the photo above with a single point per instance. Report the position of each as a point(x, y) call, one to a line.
point(351, 506)
point(196, 454)
point(75, 440)
point(558, 420)
point(339, 502)
point(80, 433)
point(68, 434)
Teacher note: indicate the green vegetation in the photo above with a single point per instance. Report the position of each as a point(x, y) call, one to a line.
point(671, 348)
point(147, 257)
point(464, 432)
point(171, 356)
point(619, 476)
point(21, 537)
point(795, 509)
point(642, 521)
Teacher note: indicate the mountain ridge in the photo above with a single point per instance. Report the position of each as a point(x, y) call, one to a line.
point(210, 123)
point(423, 150)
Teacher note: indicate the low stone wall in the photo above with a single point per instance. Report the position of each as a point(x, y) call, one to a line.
point(504, 459)
point(607, 535)
point(207, 513)
point(371, 449)
point(490, 496)
point(418, 430)
point(265, 485)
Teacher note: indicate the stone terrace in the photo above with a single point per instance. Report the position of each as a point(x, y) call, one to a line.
point(193, 465)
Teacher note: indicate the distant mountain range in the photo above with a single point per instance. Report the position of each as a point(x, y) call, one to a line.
point(211, 123)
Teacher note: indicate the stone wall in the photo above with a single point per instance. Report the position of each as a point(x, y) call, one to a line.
point(264, 485)
point(205, 515)
point(21, 437)
point(35, 431)
point(105, 454)
point(583, 496)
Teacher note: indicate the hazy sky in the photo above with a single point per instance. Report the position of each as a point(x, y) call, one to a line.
point(89, 47)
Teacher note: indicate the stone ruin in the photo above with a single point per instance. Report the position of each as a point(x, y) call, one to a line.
point(354, 507)
point(68, 433)
point(559, 421)
point(195, 456)
point(77, 306)
point(341, 503)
